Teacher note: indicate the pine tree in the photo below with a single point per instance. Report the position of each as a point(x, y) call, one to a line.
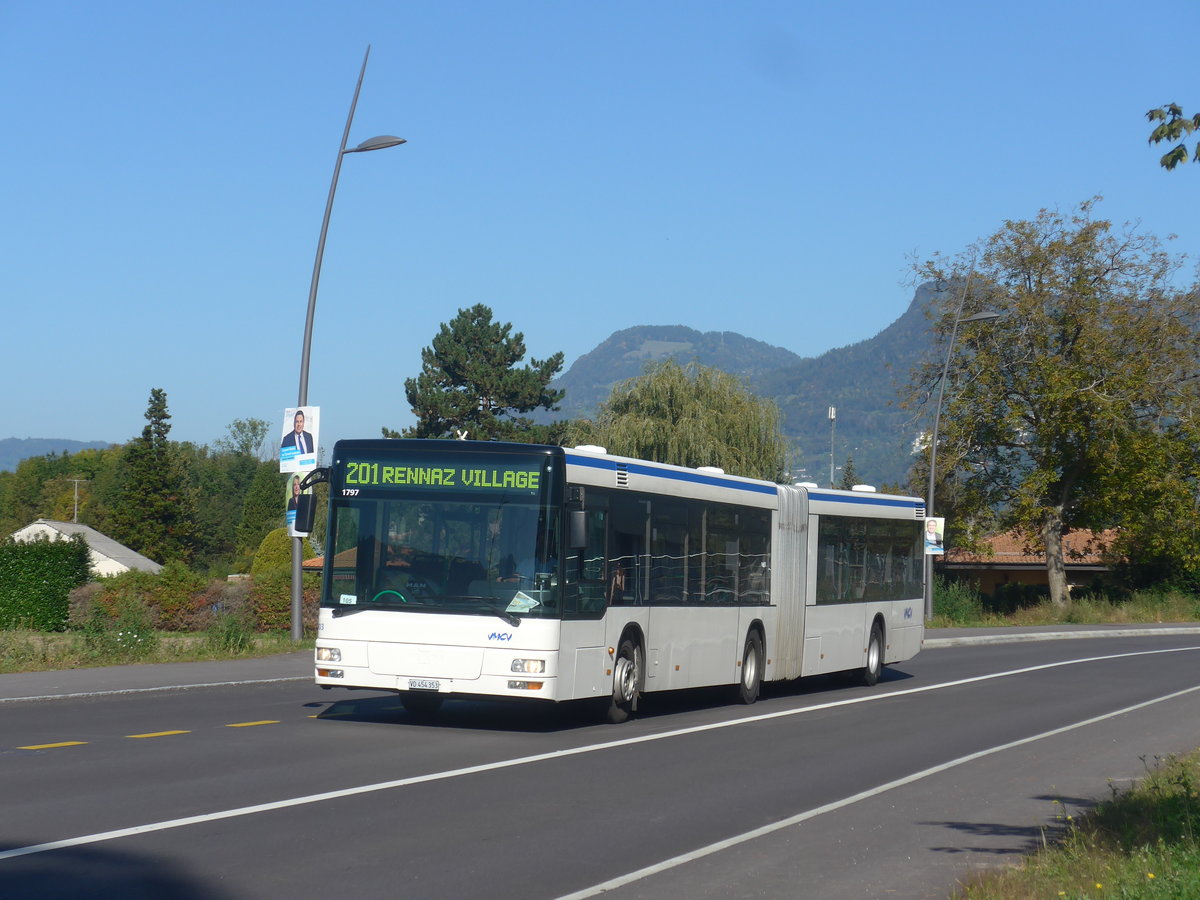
point(155, 511)
point(470, 385)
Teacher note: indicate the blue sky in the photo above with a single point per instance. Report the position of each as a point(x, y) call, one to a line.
point(769, 168)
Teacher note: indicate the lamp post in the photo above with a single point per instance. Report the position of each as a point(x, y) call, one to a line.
point(375, 143)
point(985, 316)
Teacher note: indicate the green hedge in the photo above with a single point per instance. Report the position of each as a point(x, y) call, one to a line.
point(275, 553)
point(36, 578)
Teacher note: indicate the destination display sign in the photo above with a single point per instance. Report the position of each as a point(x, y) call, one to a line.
point(471, 475)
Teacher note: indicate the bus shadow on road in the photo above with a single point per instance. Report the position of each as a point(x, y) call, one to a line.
point(540, 717)
point(100, 872)
point(466, 713)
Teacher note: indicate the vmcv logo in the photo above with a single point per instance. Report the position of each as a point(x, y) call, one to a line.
point(500, 636)
point(908, 612)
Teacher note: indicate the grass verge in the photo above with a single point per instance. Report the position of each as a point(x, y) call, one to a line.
point(32, 651)
point(1140, 843)
point(959, 605)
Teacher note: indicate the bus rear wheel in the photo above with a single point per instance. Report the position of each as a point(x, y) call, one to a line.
point(874, 668)
point(627, 677)
point(751, 676)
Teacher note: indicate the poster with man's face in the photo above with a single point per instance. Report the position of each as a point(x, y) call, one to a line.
point(299, 439)
point(935, 530)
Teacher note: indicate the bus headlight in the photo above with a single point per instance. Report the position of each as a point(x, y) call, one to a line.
point(329, 654)
point(529, 666)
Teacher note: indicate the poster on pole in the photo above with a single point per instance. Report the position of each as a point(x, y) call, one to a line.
point(935, 531)
point(295, 497)
point(299, 438)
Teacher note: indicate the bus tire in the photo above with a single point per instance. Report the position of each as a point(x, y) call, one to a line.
point(421, 706)
point(874, 668)
point(752, 665)
point(627, 677)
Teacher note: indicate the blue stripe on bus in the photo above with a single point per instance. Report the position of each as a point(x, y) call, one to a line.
point(864, 498)
point(671, 474)
point(697, 478)
point(716, 481)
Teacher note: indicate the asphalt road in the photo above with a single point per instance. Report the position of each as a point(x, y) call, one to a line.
point(244, 780)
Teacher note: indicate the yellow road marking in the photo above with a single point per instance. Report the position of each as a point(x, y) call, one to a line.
point(249, 724)
point(156, 734)
point(52, 746)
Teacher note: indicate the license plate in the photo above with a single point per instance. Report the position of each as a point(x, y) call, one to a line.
point(424, 684)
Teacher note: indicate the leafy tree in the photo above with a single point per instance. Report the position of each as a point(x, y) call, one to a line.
point(1172, 126)
point(689, 416)
point(1057, 410)
point(246, 437)
point(155, 509)
point(264, 507)
point(471, 386)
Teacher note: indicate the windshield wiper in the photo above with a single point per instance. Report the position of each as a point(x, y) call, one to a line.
point(500, 612)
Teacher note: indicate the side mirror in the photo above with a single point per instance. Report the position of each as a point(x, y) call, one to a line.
point(306, 514)
point(316, 476)
point(577, 528)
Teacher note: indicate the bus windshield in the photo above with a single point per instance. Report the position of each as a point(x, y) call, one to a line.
point(443, 532)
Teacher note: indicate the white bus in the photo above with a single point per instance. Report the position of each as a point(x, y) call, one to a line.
point(473, 569)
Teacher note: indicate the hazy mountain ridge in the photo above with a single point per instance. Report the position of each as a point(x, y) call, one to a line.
point(13, 450)
point(624, 354)
point(861, 380)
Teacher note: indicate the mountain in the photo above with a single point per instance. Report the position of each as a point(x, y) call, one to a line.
point(861, 381)
point(13, 450)
point(624, 355)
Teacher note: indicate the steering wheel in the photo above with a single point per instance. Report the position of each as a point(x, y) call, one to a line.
point(403, 599)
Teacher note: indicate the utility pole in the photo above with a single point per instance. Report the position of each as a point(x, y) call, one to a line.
point(76, 481)
point(832, 426)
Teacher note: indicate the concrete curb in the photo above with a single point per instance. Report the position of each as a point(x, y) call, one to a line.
point(1017, 637)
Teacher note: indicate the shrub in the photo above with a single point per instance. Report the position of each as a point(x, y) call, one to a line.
point(957, 602)
point(173, 600)
point(123, 632)
point(271, 599)
point(177, 597)
point(230, 633)
point(36, 578)
point(275, 553)
point(81, 602)
point(1011, 597)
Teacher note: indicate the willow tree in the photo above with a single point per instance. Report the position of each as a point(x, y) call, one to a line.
point(689, 416)
point(1077, 407)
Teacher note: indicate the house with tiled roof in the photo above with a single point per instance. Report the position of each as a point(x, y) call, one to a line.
point(1009, 558)
point(107, 557)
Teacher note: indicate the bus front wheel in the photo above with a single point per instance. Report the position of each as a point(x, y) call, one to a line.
point(627, 675)
point(874, 668)
point(751, 680)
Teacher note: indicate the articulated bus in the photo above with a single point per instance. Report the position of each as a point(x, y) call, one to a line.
point(485, 570)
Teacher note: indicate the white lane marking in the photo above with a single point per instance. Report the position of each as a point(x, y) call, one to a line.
point(148, 690)
point(702, 852)
point(575, 751)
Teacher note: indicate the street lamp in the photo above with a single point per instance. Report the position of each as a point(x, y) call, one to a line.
point(376, 143)
point(985, 316)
